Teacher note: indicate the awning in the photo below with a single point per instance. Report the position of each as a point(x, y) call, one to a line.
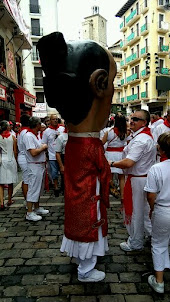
point(3, 93)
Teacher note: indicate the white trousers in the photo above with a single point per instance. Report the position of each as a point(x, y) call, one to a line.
point(160, 237)
point(140, 223)
point(86, 265)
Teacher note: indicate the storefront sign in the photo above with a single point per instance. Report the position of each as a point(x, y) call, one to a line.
point(3, 93)
point(40, 107)
point(29, 100)
point(39, 114)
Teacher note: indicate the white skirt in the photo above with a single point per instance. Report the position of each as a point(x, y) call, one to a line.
point(8, 170)
point(114, 156)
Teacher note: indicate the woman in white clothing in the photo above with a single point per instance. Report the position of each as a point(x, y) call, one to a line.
point(116, 140)
point(8, 166)
point(158, 192)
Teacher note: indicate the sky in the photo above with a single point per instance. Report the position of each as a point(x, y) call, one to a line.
point(71, 14)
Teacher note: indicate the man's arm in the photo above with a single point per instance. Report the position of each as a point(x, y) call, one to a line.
point(61, 166)
point(35, 152)
point(151, 199)
point(123, 163)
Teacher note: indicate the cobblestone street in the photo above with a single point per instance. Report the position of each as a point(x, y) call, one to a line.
point(32, 269)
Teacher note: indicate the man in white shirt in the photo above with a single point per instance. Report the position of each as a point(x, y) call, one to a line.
point(158, 120)
point(35, 156)
point(139, 155)
point(162, 128)
point(49, 138)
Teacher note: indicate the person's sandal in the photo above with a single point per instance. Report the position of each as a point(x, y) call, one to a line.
point(10, 203)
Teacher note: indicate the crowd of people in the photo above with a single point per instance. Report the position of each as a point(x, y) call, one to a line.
point(34, 147)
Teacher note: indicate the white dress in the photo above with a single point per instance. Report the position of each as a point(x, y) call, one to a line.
point(8, 167)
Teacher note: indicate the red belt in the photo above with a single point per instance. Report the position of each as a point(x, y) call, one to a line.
point(115, 149)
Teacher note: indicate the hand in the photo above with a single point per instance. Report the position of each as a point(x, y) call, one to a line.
point(44, 146)
point(109, 162)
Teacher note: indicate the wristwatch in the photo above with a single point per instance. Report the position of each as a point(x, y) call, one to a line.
point(111, 165)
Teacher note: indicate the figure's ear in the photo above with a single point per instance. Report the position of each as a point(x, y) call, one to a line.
point(98, 82)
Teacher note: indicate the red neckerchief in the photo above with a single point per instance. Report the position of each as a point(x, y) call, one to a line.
point(5, 133)
point(116, 131)
point(153, 121)
point(53, 127)
point(30, 130)
point(166, 123)
point(147, 131)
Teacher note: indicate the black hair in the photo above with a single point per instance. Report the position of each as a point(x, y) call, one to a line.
point(164, 143)
point(121, 125)
point(158, 113)
point(68, 68)
point(24, 119)
point(3, 125)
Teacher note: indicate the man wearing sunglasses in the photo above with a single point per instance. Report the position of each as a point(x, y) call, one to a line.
point(138, 156)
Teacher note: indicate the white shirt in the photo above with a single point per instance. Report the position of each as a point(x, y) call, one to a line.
point(20, 143)
point(61, 142)
point(49, 137)
point(158, 181)
point(156, 124)
point(142, 150)
point(31, 142)
point(162, 128)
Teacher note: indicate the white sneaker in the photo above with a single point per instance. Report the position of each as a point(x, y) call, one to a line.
point(125, 247)
point(158, 287)
point(33, 216)
point(41, 211)
point(93, 276)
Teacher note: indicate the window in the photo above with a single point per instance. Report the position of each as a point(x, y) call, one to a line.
point(35, 54)
point(2, 51)
point(161, 2)
point(161, 19)
point(35, 27)
point(19, 69)
point(34, 7)
point(40, 97)
point(38, 79)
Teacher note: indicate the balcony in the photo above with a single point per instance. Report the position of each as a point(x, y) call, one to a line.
point(117, 84)
point(144, 7)
point(35, 9)
point(37, 31)
point(123, 27)
point(162, 95)
point(132, 18)
point(162, 5)
point(144, 51)
point(133, 58)
point(144, 95)
point(144, 30)
point(163, 50)
point(123, 44)
point(145, 74)
point(38, 82)
point(122, 100)
point(35, 57)
point(163, 27)
point(132, 97)
point(134, 78)
point(123, 64)
point(164, 71)
point(133, 38)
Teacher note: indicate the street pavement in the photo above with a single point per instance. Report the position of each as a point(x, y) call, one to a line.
point(32, 269)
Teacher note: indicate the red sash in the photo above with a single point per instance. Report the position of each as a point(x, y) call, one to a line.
point(53, 127)
point(115, 149)
point(128, 203)
point(30, 130)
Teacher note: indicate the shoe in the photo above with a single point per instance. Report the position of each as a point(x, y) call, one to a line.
point(41, 211)
point(93, 276)
point(2, 208)
point(126, 248)
point(33, 216)
point(158, 287)
point(56, 192)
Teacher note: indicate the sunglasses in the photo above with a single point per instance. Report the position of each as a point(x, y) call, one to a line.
point(136, 119)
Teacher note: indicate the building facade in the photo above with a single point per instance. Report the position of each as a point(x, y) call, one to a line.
point(14, 37)
point(42, 19)
point(145, 64)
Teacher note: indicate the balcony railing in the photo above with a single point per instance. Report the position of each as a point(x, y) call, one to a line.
point(144, 94)
point(164, 71)
point(35, 9)
point(132, 77)
point(144, 51)
point(163, 48)
point(144, 29)
point(145, 73)
point(163, 27)
point(132, 17)
point(132, 97)
point(38, 81)
point(133, 37)
point(144, 7)
point(35, 56)
point(122, 100)
point(131, 58)
point(122, 82)
point(37, 31)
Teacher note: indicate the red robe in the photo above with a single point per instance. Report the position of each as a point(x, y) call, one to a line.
point(84, 162)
